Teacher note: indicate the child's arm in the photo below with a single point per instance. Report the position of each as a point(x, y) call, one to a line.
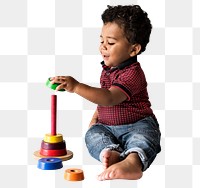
point(99, 96)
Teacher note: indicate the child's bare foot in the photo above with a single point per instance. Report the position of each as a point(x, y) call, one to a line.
point(130, 169)
point(110, 157)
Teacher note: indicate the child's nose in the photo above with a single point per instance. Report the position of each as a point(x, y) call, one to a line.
point(103, 46)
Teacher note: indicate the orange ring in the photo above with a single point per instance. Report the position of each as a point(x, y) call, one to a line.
point(74, 174)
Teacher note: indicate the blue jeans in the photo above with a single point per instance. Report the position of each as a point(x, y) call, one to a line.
point(142, 137)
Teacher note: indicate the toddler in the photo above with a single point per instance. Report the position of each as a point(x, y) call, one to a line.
point(123, 133)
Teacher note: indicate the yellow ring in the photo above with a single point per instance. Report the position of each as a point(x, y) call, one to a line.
point(53, 138)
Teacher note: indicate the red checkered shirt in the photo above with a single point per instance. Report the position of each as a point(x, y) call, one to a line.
point(130, 79)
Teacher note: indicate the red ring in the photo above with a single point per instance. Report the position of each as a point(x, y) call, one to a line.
point(52, 153)
point(53, 146)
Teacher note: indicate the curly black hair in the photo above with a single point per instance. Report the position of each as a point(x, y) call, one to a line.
point(133, 20)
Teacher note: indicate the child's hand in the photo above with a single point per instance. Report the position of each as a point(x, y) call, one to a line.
point(66, 82)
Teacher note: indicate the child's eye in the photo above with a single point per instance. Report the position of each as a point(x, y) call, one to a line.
point(109, 43)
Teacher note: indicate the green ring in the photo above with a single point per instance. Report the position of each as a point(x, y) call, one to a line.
point(53, 86)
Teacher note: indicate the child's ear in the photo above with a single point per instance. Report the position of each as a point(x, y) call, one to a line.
point(135, 49)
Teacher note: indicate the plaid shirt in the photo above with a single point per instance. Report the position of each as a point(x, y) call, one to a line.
point(130, 79)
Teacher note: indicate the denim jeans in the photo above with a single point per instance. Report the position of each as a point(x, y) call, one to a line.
point(142, 137)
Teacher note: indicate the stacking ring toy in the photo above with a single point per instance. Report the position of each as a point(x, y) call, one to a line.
point(56, 146)
point(53, 138)
point(50, 163)
point(74, 174)
point(53, 145)
point(53, 86)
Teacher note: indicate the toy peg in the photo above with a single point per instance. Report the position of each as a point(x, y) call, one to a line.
point(53, 114)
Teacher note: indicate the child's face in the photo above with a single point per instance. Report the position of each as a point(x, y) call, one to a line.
point(114, 46)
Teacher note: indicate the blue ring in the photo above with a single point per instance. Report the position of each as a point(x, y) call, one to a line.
point(50, 163)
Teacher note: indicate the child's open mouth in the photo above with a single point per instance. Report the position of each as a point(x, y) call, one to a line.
point(105, 57)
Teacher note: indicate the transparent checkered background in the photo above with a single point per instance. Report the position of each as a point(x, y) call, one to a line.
point(43, 38)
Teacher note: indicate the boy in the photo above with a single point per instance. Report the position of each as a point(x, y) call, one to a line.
point(123, 133)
